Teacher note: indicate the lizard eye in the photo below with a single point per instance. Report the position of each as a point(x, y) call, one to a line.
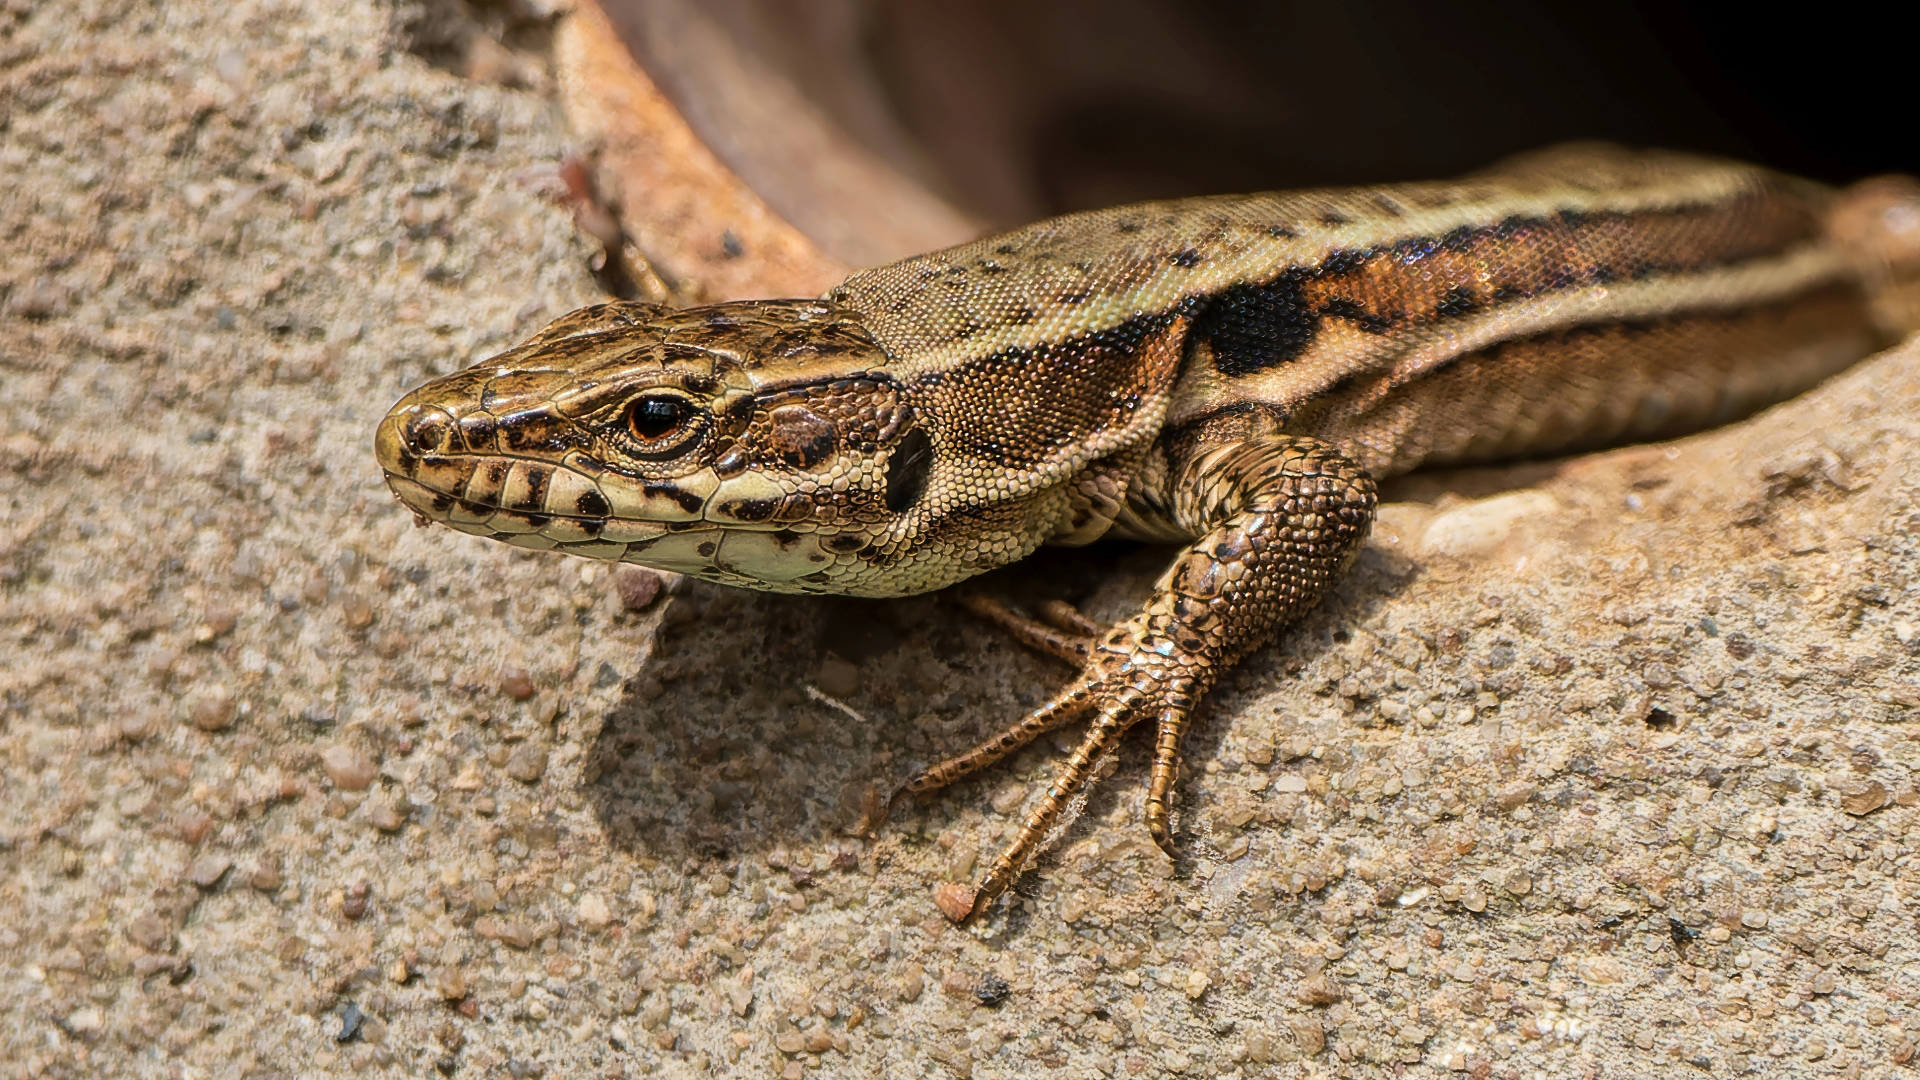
point(657, 417)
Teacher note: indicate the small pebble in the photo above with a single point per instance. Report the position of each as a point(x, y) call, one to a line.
point(214, 712)
point(955, 901)
point(1754, 919)
point(992, 990)
point(1865, 800)
point(527, 763)
point(351, 1021)
point(354, 904)
point(348, 768)
point(207, 870)
point(194, 826)
point(1319, 989)
point(594, 914)
point(638, 586)
point(267, 875)
point(150, 933)
point(516, 683)
point(357, 613)
point(451, 984)
point(385, 816)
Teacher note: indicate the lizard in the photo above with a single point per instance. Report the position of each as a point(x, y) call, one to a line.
point(1232, 374)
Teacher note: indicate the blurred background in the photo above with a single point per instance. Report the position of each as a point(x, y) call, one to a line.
point(880, 127)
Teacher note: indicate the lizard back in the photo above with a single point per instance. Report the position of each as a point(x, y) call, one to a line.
point(1572, 297)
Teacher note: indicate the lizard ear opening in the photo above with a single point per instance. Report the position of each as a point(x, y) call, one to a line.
point(907, 469)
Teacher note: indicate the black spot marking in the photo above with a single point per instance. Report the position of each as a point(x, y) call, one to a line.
point(907, 470)
point(1071, 298)
point(707, 549)
point(1253, 327)
point(1186, 259)
point(537, 480)
point(1005, 249)
point(844, 543)
point(686, 500)
point(1458, 301)
point(1128, 227)
point(1283, 232)
point(592, 504)
point(1345, 261)
point(1342, 308)
point(1333, 218)
point(750, 509)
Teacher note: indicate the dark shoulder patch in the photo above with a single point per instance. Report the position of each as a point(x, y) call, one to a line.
point(1253, 327)
point(1186, 259)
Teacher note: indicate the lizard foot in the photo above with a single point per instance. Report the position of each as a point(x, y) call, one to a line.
point(1060, 631)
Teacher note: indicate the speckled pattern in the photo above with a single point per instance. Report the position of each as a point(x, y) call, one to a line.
point(1603, 769)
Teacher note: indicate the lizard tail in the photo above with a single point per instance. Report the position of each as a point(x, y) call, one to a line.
point(1877, 223)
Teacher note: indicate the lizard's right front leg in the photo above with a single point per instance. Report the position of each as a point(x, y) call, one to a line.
point(1279, 518)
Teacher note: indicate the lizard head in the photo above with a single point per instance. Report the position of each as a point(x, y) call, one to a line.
point(761, 444)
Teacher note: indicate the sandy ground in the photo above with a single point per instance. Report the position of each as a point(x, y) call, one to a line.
point(1603, 769)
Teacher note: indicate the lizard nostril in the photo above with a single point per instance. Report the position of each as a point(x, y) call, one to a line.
point(426, 432)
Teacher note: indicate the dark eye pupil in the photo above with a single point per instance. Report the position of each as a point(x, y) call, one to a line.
point(656, 418)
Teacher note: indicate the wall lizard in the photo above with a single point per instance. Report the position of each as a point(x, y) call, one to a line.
point(1231, 374)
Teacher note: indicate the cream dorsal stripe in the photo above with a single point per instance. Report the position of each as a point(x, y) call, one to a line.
point(1007, 291)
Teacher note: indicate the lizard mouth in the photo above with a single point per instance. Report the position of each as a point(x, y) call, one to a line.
point(548, 507)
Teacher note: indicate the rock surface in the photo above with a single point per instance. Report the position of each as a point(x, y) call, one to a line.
point(1596, 768)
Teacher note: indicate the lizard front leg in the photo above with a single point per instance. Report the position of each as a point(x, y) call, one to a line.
point(1279, 518)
